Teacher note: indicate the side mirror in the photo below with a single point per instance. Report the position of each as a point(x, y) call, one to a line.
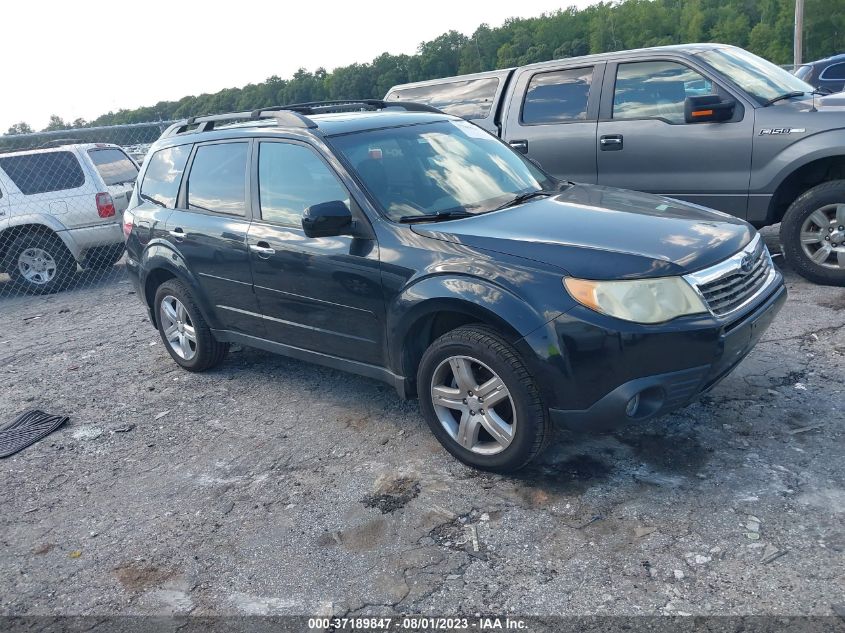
point(708, 108)
point(327, 219)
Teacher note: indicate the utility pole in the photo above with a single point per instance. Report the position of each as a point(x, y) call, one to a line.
point(798, 41)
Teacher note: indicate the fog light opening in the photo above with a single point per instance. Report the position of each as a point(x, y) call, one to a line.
point(632, 406)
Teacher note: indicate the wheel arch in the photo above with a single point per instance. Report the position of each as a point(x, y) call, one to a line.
point(160, 264)
point(55, 229)
point(802, 179)
point(436, 305)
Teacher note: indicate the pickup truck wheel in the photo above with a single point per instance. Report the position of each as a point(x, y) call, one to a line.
point(183, 329)
point(39, 263)
point(812, 234)
point(480, 401)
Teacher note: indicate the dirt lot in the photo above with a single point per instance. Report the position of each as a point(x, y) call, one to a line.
point(271, 486)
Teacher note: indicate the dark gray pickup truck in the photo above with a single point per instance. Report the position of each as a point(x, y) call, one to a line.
point(707, 123)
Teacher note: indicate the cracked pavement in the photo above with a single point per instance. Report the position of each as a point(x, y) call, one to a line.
point(271, 486)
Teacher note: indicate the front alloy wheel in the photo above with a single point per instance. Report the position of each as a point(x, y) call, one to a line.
point(473, 405)
point(480, 401)
point(812, 234)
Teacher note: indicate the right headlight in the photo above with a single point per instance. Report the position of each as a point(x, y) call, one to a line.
point(638, 300)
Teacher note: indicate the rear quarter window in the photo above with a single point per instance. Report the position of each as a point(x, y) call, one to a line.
point(43, 172)
point(164, 174)
point(470, 98)
point(114, 166)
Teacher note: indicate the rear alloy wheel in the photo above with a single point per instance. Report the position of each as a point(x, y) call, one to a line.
point(480, 401)
point(40, 263)
point(813, 234)
point(183, 329)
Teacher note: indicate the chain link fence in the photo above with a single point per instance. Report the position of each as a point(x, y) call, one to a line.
point(62, 196)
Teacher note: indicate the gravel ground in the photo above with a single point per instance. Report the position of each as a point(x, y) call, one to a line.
point(271, 486)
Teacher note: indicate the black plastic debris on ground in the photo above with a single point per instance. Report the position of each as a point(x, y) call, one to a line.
point(27, 429)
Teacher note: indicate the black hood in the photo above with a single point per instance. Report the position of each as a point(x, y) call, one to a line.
point(603, 233)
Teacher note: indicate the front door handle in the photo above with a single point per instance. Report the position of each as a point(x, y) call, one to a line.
point(178, 233)
point(611, 142)
point(263, 250)
point(520, 145)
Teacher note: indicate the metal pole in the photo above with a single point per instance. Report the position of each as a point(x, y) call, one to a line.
point(799, 33)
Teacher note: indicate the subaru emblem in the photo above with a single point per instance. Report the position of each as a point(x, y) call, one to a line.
point(746, 264)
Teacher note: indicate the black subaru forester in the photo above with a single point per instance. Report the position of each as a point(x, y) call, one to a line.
point(410, 246)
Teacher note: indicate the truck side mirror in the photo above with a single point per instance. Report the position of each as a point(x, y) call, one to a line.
point(708, 108)
point(327, 219)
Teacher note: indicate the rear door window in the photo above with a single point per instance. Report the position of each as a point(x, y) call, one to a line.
point(217, 181)
point(557, 97)
point(164, 174)
point(43, 172)
point(470, 98)
point(114, 166)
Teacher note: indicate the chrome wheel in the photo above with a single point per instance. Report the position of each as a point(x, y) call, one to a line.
point(473, 405)
point(823, 236)
point(178, 328)
point(37, 266)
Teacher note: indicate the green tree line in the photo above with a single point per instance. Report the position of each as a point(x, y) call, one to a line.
point(762, 26)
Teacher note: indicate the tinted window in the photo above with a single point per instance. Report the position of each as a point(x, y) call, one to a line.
point(557, 96)
point(656, 90)
point(471, 98)
point(292, 178)
point(837, 71)
point(114, 166)
point(164, 173)
point(40, 173)
point(218, 179)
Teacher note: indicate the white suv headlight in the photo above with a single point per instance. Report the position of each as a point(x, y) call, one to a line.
point(639, 300)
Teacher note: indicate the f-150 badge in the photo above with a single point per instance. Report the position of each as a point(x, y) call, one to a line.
point(771, 131)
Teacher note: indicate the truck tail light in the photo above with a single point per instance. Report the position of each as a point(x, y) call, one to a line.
point(105, 205)
point(128, 223)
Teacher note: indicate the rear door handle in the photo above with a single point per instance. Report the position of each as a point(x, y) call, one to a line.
point(263, 250)
point(520, 145)
point(178, 233)
point(611, 142)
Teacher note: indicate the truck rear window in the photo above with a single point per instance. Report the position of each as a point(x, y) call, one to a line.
point(114, 166)
point(43, 172)
point(470, 98)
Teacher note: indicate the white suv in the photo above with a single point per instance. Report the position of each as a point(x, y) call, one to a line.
point(59, 207)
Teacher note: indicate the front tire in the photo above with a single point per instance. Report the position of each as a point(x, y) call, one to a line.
point(39, 263)
point(183, 329)
point(812, 234)
point(480, 401)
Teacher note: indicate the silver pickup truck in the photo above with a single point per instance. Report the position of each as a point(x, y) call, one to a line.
point(707, 123)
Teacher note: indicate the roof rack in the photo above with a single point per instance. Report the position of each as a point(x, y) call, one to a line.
point(293, 115)
point(353, 105)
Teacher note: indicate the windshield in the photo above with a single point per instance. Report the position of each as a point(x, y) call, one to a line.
point(448, 166)
point(761, 79)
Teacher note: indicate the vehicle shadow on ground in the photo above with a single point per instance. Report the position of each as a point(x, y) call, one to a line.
point(82, 280)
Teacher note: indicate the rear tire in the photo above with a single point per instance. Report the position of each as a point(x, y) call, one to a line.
point(812, 234)
point(39, 263)
point(184, 331)
point(497, 426)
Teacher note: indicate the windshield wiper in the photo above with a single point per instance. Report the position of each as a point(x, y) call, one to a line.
point(525, 196)
point(786, 95)
point(448, 214)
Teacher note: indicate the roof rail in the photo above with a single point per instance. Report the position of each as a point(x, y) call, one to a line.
point(284, 117)
point(293, 115)
point(352, 105)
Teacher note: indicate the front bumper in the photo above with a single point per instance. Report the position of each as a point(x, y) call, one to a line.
point(681, 363)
